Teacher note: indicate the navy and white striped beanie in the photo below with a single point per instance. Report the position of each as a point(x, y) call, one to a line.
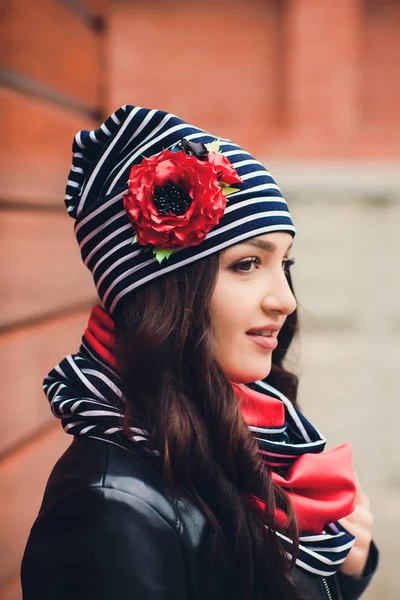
point(98, 181)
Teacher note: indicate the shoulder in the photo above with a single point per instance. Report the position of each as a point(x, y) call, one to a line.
point(101, 473)
point(106, 520)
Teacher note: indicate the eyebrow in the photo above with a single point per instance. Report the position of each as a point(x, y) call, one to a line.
point(264, 245)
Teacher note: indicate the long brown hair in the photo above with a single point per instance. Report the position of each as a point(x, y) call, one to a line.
point(177, 391)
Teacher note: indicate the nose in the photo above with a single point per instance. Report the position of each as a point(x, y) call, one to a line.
point(279, 297)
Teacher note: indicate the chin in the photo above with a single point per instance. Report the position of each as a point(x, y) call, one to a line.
point(243, 375)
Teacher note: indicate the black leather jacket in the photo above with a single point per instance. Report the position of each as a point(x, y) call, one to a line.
point(108, 529)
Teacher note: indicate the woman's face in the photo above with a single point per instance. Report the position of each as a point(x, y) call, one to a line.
point(252, 295)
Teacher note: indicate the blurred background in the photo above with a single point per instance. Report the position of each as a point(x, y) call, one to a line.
point(312, 89)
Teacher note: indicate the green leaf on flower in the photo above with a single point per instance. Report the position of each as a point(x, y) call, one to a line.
point(161, 253)
point(213, 146)
point(134, 239)
point(227, 189)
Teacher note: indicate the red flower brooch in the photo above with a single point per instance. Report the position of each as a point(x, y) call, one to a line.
point(177, 196)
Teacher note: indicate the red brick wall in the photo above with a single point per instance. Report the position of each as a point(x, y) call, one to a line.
point(299, 79)
point(199, 61)
point(381, 64)
point(51, 85)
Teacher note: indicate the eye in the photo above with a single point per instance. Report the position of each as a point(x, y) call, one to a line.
point(287, 263)
point(245, 265)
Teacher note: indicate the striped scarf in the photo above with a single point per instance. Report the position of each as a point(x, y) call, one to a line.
point(84, 391)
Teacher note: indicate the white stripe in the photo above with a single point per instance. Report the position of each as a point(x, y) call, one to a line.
point(70, 425)
point(93, 137)
point(60, 407)
point(191, 136)
point(264, 430)
point(77, 169)
point(142, 149)
point(115, 249)
point(105, 129)
point(126, 274)
point(103, 158)
point(87, 401)
point(314, 554)
point(142, 125)
point(112, 430)
point(231, 144)
point(105, 379)
point(73, 183)
point(253, 174)
point(270, 431)
point(84, 379)
point(86, 429)
point(245, 163)
point(320, 537)
point(230, 242)
point(115, 119)
point(309, 568)
point(57, 390)
point(100, 413)
point(235, 152)
point(98, 210)
point(122, 162)
point(271, 199)
point(78, 155)
point(108, 237)
point(59, 369)
point(91, 235)
point(79, 140)
point(194, 136)
point(248, 219)
point(338, 548)
point(137, 430)
point(315, 444)
point(256, 188)
point(291, 410)
point(116, 263)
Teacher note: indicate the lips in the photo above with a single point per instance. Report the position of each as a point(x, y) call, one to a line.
point(265, 336)
point(265, 330)
point(265, 342)
point(265, 333)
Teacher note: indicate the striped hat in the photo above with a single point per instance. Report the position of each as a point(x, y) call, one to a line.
point(101, 179)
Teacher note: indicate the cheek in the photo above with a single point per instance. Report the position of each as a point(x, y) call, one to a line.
point(235, 353)
point(228, 324)
point(228, 314)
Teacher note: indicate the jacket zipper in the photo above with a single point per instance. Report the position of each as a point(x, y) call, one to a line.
point(327, 590)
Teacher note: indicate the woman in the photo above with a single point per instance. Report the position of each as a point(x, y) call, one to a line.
point(192, 473)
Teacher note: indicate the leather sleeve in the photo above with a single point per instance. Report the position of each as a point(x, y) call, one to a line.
point(103, 543)
point(353, 587)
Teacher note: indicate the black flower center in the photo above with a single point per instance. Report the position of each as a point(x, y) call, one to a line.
point(171, 199)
